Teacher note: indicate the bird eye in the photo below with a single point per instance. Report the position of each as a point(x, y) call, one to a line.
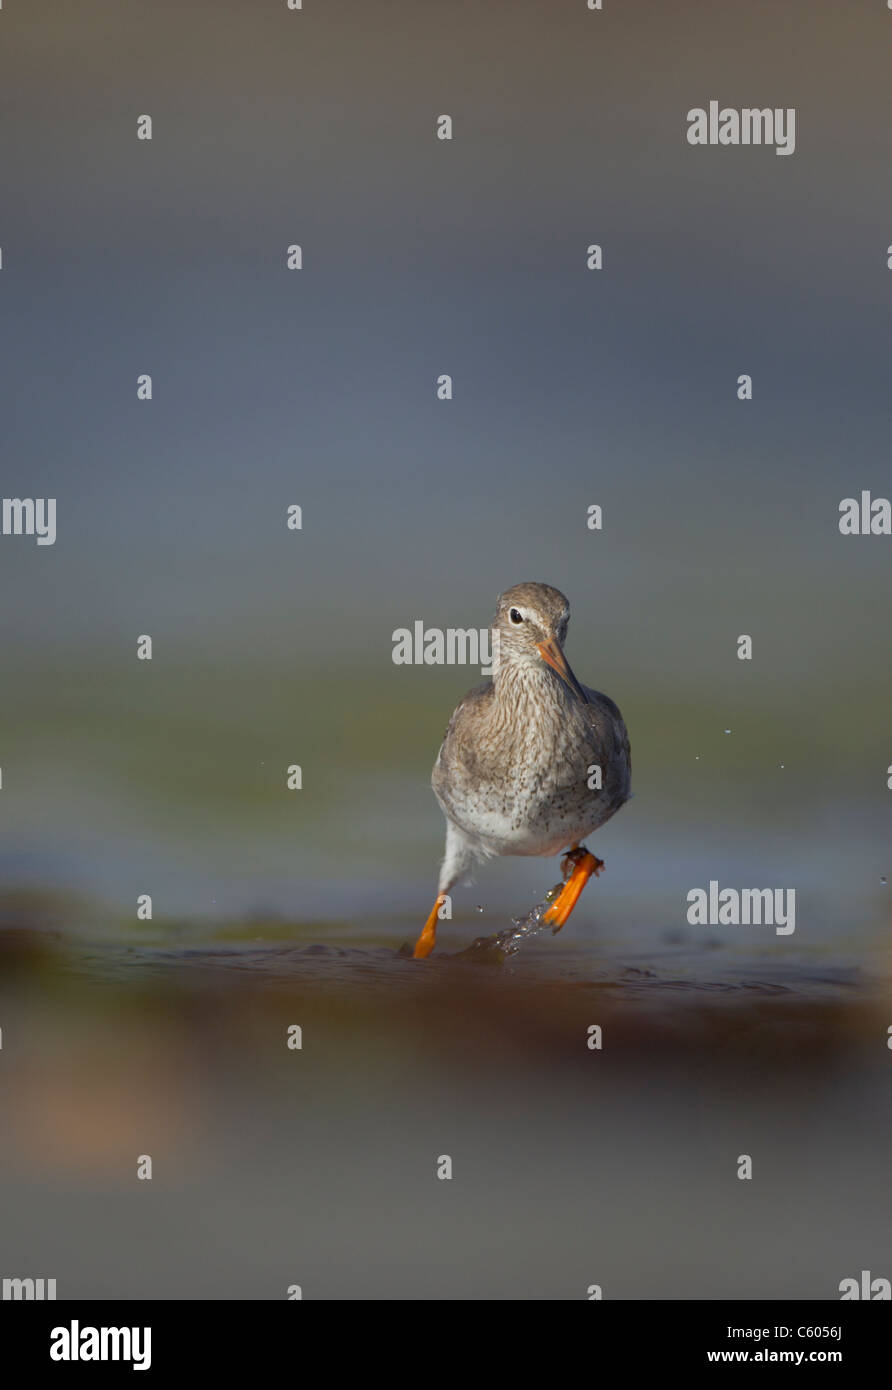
point(515, 616)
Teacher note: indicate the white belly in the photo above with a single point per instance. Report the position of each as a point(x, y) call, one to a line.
point(546, 830)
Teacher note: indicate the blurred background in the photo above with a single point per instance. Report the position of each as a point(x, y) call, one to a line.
point(271, 647)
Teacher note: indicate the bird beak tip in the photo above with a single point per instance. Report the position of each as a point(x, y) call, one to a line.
point(551, 653)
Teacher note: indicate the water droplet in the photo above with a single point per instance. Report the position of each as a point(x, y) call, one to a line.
point(508, 942)
point(697, 758)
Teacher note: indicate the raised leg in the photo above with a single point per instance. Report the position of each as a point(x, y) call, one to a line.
point(578, 866)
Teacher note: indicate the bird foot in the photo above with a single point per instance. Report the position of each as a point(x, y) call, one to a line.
point(576, 856)
point(577, 866)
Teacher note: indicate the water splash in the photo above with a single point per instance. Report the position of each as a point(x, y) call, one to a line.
point(506, 943)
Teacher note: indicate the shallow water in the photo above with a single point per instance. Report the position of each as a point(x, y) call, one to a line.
point(640, 977)
point(572, 1165)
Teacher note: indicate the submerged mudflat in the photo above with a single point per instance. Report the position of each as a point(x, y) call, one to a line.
point(593, 1101)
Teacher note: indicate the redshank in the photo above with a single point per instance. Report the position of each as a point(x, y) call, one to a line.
point(516, 773)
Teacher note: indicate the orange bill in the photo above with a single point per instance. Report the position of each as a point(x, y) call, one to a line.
point(551, 654)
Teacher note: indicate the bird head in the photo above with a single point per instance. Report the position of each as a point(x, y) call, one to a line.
point(531, 621)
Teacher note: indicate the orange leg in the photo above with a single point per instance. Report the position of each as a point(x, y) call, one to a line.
point(428, 938)
point(583, 865)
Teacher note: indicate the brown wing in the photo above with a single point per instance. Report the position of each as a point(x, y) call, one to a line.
point(610, 727)
point(456, 748)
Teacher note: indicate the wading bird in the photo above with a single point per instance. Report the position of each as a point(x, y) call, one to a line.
point(532, 761)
